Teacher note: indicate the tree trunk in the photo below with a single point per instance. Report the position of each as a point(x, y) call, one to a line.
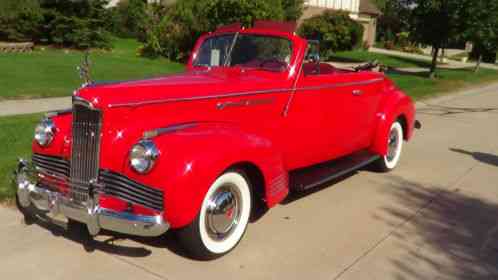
point(478, 64)
point(435, 54)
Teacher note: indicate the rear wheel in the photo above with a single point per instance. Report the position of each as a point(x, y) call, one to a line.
point(222, 219)
point(394, 148)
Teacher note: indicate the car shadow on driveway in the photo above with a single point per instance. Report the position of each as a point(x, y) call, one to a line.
point(113, 243)
point(81, 235)
point(481, 157)
point(297, 195)
point(440, 232)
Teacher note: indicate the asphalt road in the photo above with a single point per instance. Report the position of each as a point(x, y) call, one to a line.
point(436, 217)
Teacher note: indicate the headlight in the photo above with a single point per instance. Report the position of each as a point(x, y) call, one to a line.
point(44, 132)
point(143, 156)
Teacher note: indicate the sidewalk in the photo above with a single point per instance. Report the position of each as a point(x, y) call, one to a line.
point(31, 106)
point(451, 63)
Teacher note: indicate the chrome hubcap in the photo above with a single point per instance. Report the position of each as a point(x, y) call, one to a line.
point(392, 145)
point(223, 212)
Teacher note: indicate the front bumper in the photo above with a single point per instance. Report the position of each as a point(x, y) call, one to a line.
point(55, 204)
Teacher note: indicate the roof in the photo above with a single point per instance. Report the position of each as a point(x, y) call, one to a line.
point(368, 7)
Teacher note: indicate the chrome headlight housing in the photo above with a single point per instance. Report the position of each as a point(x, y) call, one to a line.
point(44, 132)
point(143, 156)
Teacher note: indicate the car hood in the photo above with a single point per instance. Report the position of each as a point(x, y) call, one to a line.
point(190, 85)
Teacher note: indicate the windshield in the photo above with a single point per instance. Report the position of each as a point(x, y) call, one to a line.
point(245, 50)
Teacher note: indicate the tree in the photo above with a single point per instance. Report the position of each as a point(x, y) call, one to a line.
point(19, 19)
point(435, 22)
point(481, 26)
point(395, 18)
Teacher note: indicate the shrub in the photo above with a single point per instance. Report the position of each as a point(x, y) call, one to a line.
point(293, 9)
point(128, 19)
point(336, 31)
point(81, 24)
point(19, 20)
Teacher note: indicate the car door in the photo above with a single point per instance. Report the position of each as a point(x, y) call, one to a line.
point(334, 99)
point(347, 102)
point(363, 93)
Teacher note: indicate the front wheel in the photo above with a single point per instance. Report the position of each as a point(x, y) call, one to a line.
point(222, 219)
point(394, 147)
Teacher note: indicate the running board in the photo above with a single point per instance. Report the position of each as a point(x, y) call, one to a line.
point(310, 177)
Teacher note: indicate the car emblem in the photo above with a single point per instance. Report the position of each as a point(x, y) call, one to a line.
point(84, 70)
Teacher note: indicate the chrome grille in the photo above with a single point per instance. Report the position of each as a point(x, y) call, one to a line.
point(85, 149)
point(51, 165)
point(128, 190)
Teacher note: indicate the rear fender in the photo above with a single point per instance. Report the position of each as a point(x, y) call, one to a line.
point(395, 105)
point(193, 158)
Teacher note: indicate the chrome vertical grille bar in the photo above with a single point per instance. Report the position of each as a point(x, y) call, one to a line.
point(87, 124)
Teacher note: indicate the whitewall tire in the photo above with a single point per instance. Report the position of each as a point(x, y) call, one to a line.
point(394, 140)
point(222, 219)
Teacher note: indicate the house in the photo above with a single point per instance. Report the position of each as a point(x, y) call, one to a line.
point(363, 11)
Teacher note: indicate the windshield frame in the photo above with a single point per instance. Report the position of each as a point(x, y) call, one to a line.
point(227, 62)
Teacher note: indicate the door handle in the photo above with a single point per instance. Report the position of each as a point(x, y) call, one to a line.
point(357, 92)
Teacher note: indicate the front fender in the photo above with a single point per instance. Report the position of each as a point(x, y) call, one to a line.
point(396, 104)
point(192, 159)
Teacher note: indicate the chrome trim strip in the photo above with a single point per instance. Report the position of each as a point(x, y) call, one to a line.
point(241, 94)
point(83, 102)
point(58, 113)
point(169, 129)
point(362, 83)
point(207, 97)
point(244, 103)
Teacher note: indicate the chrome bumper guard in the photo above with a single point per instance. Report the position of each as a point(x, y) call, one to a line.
point(55, 204)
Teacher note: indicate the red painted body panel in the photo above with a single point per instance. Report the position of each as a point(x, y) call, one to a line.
point(276, 122)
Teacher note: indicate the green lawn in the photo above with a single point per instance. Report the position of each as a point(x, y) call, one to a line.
point(16, 137)
point(387, 60)
point(418, 85)
point(51, 72)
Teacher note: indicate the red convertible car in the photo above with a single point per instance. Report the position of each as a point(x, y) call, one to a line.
point(254, 117)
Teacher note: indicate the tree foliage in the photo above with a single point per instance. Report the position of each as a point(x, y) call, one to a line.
point(480, 20)
point(395, 18)
point(173, 30)
point(435, 22)
point(19, 19)
point(81, 24)
point(129, 19)
point(293, 9)
point(336, 31)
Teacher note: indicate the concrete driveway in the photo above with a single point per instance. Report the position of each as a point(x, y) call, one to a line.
point(436, 217)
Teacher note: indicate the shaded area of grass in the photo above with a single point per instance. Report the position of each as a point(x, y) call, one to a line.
point(388, 60)
point(15, 139)
point(52, 72)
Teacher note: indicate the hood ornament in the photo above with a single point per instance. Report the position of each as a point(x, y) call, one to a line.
point(84, 70)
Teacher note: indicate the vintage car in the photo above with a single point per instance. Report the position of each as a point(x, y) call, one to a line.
point(255, 116)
